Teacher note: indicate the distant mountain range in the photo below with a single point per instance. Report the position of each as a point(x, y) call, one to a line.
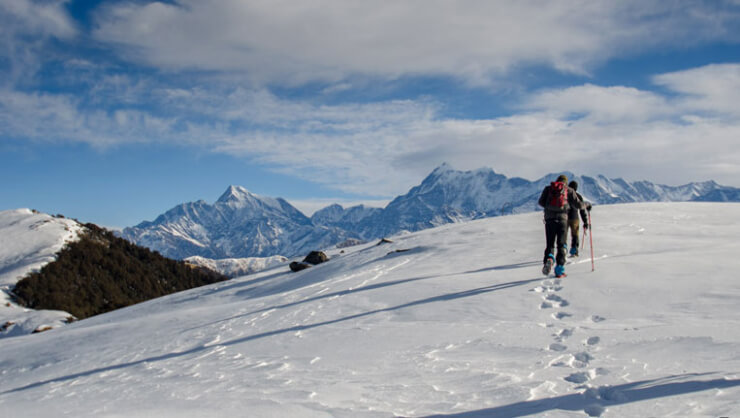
point(241, 224)
point(235, 267)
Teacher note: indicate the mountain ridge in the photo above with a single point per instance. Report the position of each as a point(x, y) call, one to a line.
point(243, 224)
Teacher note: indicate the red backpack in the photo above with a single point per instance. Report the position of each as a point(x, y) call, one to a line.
point(558, 197)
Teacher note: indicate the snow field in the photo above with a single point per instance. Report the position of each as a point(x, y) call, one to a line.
point(460, 322)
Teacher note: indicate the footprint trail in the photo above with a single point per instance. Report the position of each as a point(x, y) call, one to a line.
point(576, 364)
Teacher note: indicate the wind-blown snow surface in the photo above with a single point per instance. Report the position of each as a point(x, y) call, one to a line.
point(28, 241)
point(461, 323)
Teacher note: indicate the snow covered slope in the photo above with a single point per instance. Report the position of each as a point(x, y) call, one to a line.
point(28, 241)
point(452, 320)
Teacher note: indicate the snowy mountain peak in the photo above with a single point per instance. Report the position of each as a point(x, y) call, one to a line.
point(237, 197)
point(329, 214)
point(236, 194)
point(239, 224)
point(242, 224)
point(446, 175)
point(444, 172)
point(443, 168)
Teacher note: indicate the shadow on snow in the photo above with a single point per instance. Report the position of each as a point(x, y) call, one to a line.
point(362, 289)
point(595, 400)
point(433, 299)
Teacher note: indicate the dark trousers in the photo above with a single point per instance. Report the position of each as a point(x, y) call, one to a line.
point(556, 231)
point(574, 225)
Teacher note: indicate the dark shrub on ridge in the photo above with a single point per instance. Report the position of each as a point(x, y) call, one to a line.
point(101, 272)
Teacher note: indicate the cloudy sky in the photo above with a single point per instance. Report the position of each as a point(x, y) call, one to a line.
point(114, 111)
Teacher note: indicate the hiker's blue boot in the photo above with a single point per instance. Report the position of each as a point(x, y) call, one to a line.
point(560, 271)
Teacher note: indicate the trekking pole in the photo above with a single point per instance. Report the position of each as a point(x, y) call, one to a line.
point(583, 241)
point(591, 239)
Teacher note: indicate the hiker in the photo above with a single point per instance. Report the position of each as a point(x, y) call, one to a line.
point(557, 199)
point(574, 222)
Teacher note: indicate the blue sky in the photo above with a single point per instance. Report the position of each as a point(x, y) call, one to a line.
point(114, 111)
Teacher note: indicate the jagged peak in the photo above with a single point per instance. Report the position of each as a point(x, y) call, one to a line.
point(334, 206)
point(236, 193)
point(447, 169)
point(443, 168)
point(237, 197)
point(444, 171)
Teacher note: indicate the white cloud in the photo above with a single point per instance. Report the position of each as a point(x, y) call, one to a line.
point(25, 27)
point(618, 131)
point(60, 118)
point(601, 104)
point(328, 40)
point(712, 88)
point(36, 18)
point(383, 148)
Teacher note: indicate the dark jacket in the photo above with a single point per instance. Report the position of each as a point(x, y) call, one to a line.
point(573, 211)
point(574, 201)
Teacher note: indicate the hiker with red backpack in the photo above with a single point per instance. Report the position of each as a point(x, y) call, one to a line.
point(557, 199)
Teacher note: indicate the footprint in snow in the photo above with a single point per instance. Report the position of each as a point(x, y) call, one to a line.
point(580, 377)
point(594, 410)
point(606, 393)
point(563, 334)
point(556, 300)
point(552, 282)
point(580, 360)
point(546, 288)
point(597, 395)
point(557, 347)
point(560, 315)
point(558, 362)
point(592, 341)
point(583, 377)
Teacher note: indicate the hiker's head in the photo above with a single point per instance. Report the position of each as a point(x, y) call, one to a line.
point(573, 185)
point(563, 178)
